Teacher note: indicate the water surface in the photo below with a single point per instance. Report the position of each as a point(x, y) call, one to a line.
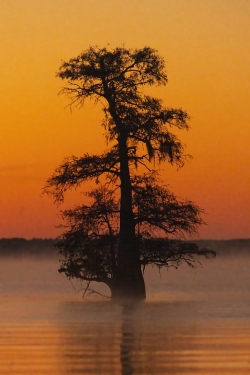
point(194, 321)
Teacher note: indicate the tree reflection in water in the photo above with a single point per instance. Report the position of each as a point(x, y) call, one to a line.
point(127, 339)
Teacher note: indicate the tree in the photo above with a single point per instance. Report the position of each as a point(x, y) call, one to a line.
point(123, 228)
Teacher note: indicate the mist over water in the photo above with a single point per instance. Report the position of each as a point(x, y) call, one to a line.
point(193, 321)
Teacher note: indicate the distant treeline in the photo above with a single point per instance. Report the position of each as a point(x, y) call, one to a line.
point(226, 246)
point(45, 247)
point(21, 246)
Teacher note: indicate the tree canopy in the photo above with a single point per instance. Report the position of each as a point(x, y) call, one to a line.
point(133, 220)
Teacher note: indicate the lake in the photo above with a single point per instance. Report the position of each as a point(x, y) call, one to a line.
point(193, 321)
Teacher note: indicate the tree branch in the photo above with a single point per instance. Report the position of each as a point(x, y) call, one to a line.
point(75, 170)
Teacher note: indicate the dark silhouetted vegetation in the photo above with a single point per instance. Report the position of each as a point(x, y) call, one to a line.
point(15, 247)
point(48, 248)
point(132, 220)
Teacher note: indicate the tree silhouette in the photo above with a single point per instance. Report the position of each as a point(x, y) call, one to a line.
point(132, 220)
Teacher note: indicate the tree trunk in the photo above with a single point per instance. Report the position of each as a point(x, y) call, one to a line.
point(128, 281)
point(128, 278)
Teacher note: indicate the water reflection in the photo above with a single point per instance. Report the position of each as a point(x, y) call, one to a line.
point(198, 323)
point(147, 338)
point(184, 338)
point(155, 338)
point(127, 339)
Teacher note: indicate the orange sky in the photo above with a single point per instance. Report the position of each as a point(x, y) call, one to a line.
point(207, 52)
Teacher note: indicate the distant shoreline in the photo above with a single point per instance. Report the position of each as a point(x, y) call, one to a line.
point(35, 247)
point(45, 247)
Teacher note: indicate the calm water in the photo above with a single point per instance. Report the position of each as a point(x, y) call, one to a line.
point(193, 322)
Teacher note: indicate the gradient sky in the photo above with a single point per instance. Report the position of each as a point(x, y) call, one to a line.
point(206, 47)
